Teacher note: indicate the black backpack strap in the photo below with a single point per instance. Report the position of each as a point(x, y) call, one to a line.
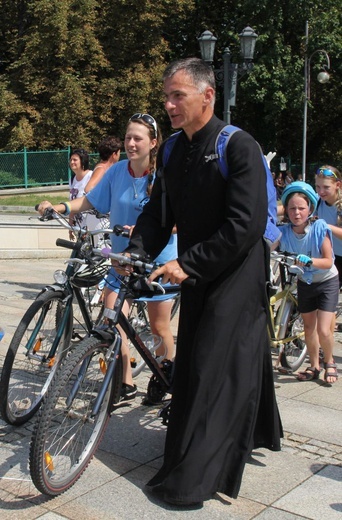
point(160, 174)
point(168, 146)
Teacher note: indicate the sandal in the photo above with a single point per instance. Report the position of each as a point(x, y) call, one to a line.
point(333, 374)
point(309, 374)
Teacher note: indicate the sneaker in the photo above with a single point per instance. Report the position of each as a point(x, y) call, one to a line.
point(128, 392)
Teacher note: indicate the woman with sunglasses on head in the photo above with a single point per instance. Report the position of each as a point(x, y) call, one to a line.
point(123, 191)
point(328, 181)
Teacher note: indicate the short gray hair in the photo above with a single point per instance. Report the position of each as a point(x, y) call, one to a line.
point(201, 74)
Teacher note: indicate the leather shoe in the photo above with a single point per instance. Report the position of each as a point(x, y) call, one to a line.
point(159, 491)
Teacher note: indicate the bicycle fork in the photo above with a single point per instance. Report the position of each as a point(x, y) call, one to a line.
point(34, 342)
point(113, 354)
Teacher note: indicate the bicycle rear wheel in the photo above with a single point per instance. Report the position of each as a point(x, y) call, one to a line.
point(29, 363)
point(294, 353)
point(67, 434)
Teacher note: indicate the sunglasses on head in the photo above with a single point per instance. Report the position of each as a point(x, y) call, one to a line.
point(326, 173)
point(147, 119)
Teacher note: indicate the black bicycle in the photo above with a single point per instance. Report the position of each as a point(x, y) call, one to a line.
point(62, 313)
point(86, 390)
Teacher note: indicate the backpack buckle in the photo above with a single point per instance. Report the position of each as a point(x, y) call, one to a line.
point(211, 157)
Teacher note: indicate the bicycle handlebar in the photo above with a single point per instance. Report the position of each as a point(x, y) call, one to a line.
point(51, 214)
point(68, 244)
point(133, 260)
point(288, 259)
point(283, 256)
point(137, 261)
point(121, 231)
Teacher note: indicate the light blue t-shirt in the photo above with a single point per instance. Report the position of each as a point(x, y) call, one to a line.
point(329, 214)
point(124, 197)
point(311, 245)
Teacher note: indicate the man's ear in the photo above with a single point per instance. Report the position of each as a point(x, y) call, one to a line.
point(209, 93)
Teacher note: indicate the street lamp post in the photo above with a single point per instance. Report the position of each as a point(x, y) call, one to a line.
point(230, 73)
point(323, 77)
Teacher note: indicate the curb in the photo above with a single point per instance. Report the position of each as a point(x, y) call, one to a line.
point(17, 209)
point(15, 229)
point(32, 254)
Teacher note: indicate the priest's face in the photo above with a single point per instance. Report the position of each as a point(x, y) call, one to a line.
point(189, 106)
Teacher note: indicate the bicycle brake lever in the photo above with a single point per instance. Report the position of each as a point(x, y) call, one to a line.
point(158, 286)
point(47, 215)
point(295, 269)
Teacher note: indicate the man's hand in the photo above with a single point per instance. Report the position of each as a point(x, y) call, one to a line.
point(171, 272)
point(122, 269)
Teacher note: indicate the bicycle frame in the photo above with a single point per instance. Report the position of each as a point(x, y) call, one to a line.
point(277, 329)
point(277, 322)
point(113, 318)
point(132, 335)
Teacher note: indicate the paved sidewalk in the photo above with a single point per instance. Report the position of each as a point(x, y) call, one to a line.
point(303, 481)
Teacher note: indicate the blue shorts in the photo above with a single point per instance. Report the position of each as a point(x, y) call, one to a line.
point(113, 282)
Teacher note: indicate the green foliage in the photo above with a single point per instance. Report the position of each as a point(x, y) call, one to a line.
point(8, 179)
point(72, 71)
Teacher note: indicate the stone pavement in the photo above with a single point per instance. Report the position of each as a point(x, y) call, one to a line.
point(303, 481)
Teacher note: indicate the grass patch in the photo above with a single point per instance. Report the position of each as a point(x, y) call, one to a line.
point(31, 200)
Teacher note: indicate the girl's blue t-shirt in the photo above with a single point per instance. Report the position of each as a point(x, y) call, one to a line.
point(329, 214)
point(124, 197)
point(310, 244)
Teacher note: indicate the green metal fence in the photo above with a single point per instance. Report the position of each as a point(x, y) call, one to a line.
point(26, 169)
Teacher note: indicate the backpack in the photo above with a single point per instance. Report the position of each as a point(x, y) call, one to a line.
point(272, 232)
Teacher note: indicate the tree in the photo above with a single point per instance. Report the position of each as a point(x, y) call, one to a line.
point(270, 100)
point(72, 71)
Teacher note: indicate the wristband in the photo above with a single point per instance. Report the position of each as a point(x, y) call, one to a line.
point(67, 208)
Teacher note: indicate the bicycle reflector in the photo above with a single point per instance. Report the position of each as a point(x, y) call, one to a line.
point(49, 461)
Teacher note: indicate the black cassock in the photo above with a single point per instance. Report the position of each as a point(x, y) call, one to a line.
point(223, 403)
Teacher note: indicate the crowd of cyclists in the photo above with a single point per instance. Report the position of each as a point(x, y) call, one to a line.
point(324, 203)
point(218, 227)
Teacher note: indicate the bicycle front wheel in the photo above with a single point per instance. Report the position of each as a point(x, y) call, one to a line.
point(30, 362)
point(294, 353)
point(67, 432)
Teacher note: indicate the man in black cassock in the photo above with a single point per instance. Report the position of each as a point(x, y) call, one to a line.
point(223, 403)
